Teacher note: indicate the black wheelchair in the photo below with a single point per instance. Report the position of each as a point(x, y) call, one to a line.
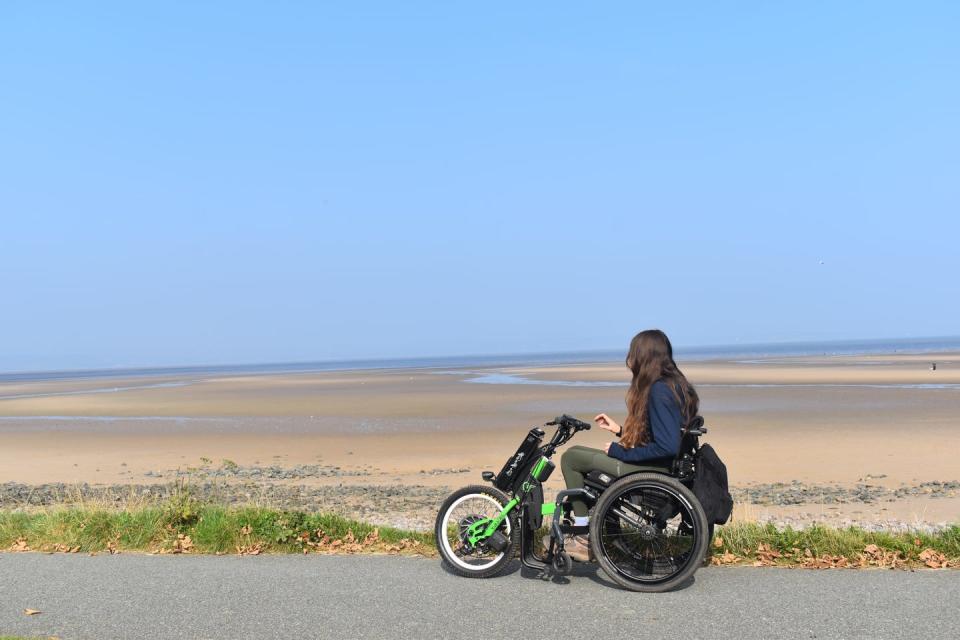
point(647, 529)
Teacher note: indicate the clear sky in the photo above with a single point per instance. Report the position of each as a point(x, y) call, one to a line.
point(223, 182)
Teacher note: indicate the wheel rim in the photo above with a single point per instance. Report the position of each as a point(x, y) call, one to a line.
point(649, 532)
point(464, 511)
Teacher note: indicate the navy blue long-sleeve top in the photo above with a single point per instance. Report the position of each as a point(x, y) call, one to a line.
point(666, 424)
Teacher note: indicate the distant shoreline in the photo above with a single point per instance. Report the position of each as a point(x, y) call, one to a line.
point(698, 353)
point(799, 432)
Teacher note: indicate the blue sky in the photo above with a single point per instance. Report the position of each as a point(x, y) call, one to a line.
point(227, 182)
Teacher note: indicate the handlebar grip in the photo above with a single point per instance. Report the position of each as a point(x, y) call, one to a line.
point(570, 421)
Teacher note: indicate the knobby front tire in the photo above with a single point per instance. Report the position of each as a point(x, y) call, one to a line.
point(462, 505)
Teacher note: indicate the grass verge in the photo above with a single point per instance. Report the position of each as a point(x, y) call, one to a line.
point(210, 530)
point(183, 525)
point(821, 547)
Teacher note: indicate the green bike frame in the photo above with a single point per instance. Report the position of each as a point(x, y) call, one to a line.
point(484, 528)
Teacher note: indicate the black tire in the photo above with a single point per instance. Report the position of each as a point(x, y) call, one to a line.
point(510, 528)
point(693, 535)
point(562, 564)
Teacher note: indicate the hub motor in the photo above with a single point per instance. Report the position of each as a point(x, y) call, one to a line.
point(464, 525)
point(496, 541)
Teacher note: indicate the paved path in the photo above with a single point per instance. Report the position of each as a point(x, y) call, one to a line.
point(159, 597)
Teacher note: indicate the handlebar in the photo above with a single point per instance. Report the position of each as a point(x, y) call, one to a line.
point(569, 422)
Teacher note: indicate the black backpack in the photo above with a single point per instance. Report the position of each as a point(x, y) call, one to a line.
point(710, 485)
point(710, 476)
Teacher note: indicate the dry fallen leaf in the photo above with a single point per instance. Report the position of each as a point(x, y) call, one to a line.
point(183, 544)
point(874, 555)
point(31, 612)
point(20, 545)
point(933, 559)
point(767, 555)
point(726, 558)
point(250, 550)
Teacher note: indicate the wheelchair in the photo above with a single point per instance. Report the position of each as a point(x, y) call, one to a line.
point(648, 531)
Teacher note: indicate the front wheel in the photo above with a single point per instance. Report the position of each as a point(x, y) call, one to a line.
point(458, 512)
point(649, 532)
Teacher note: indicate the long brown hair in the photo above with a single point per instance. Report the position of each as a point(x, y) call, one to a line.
point(650, 358)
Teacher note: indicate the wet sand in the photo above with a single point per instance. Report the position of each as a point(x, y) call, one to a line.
point(827, 421)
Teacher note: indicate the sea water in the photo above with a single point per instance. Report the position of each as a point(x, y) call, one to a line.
point(441, 363)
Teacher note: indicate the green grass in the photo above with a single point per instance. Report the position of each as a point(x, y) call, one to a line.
point(752, 542)
point(183, 525)
point(201, 529)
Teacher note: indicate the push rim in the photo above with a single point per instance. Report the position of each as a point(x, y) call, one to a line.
point(649, 532)
point(462, 512)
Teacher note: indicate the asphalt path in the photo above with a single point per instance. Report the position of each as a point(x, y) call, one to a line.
point(160, 597)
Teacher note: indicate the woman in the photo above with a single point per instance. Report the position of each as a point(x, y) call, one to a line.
point(660, 402)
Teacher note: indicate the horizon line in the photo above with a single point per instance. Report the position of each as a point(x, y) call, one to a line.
point(159, 369)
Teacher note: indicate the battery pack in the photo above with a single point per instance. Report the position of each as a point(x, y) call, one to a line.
point(519, 462)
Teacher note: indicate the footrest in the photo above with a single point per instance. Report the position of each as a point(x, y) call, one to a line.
point(574, 529)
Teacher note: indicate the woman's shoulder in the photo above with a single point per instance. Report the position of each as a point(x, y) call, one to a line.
point(660, 391)
point(661, 387)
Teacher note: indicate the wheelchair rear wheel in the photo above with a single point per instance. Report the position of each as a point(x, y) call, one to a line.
point(649, 532)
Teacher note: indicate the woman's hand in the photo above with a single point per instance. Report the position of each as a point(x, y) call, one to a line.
point(606, 422)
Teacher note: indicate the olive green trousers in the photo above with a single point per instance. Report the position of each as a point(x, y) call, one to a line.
point(577, 461)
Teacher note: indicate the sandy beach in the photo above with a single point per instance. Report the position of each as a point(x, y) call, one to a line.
point(827, 424)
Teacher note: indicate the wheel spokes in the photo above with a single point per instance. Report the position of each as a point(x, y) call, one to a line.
point(458, 522)
point(642, 534)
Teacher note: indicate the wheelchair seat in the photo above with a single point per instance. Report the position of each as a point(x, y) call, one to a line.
point(599, 480)
point(679, 466)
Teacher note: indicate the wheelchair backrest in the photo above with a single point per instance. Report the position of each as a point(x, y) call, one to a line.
point(683, 466)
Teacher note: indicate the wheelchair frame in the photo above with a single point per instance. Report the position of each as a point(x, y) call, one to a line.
point(527, 492)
